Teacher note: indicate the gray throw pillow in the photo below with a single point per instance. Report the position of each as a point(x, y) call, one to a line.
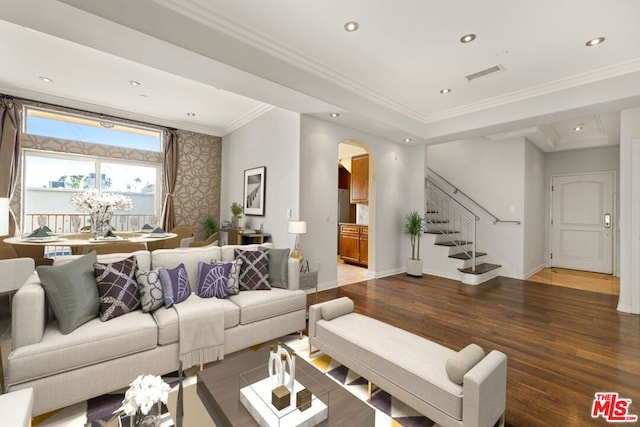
point(458, 365)
point(279, 267)
point(71, 291)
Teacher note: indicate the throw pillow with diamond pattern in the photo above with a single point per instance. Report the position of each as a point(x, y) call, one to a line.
point(254, 271)
point(150, 288)
point(175, 284)
point(117, 287)
point(212, 280)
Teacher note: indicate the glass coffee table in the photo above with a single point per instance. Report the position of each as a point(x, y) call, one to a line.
point(218, 387)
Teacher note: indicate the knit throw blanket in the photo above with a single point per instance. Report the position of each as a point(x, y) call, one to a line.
point(201, 327)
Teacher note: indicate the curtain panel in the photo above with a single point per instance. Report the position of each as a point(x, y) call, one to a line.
point(9, 149)
point(171, 159)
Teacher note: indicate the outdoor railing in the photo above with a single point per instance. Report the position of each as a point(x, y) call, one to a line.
point(61, 223)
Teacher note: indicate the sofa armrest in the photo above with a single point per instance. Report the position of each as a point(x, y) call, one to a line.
point(484, 391)
point(293, 280)
point(28, 313)
point(315, 312)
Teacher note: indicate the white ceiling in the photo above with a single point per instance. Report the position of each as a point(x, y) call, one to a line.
point(230, 61)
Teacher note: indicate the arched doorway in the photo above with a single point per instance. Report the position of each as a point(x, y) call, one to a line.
point(354, 220)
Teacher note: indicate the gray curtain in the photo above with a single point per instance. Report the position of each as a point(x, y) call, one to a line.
point(9, 149)
point(171, 158)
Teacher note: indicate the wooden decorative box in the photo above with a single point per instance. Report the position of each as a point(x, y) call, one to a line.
point(280, 397)
point(303, 399)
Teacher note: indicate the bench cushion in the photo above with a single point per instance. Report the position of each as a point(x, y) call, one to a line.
point(260, 305)
point(413, 363)
point(91, 343)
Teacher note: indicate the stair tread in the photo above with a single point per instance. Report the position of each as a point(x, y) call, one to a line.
point(463, 255)
point(441, 232)
point(454, 243)
point(437, 221)
point(480, 268)
point(432, 212)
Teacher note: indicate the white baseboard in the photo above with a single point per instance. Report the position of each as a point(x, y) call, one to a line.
point(534, 271)
point(327, 285)
point(440, 273)
point(384, 273)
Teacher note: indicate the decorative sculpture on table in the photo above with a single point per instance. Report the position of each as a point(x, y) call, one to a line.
point(279, 360)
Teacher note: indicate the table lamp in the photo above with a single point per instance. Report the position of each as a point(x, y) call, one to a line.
point(4, 216)
point(297, 228)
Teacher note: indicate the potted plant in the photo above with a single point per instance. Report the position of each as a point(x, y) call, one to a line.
point(413, 228)
point(236, 214)
point(210, 226)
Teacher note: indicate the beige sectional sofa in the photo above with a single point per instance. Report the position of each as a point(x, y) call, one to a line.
point(99, 357)
point(432, 379)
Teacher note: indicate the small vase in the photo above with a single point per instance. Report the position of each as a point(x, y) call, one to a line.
point(100, 222)
point(152, 419)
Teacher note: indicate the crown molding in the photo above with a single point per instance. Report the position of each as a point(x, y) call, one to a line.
point(247, 117)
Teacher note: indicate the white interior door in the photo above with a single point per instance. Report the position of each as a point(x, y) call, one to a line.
point(582, 222)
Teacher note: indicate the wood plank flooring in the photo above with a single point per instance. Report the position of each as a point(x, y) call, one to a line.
point(576, 279)
point(563, 345)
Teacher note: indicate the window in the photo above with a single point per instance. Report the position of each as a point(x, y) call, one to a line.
point(87, 129)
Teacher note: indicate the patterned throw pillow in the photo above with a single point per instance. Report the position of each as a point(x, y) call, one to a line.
point(254, 271)
point(150, 288)
point(117, 287)
point(175, 285)
point(233, 282)
point(212, 280)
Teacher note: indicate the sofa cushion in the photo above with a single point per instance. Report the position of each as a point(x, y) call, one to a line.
point(420, 371)
point(171, 258)
point(175, 285)
point(279, 267)
point(462, 362)
point(117, 288)
point(150, 288)
point(94, 342)
point(143, 258)
point(167, 320)
point(254, 271)
point(228, 252)
point(212, 280)
point(71, 291)
point(258, 305)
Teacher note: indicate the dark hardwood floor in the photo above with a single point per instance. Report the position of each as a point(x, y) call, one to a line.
point(563, 345)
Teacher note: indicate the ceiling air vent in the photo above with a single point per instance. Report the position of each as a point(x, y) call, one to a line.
point(486, 72)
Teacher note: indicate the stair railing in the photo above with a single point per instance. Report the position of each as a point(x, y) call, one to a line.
point(451, 219)
point(456, 190)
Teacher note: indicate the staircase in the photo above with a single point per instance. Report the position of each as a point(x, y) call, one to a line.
point(451, 228)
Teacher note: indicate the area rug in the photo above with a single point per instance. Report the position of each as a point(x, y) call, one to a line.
point(99, 412)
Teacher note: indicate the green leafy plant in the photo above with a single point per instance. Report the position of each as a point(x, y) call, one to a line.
point(210, 226)
point(236, 210)
point(413, 228)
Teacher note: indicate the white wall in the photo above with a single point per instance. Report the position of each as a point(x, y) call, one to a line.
point(272, 140)
point(534, 217)
point(629, 300)
point(589, 160)
point(392, 176)
point(493, 174)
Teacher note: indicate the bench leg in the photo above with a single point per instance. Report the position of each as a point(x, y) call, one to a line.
point(300, 334)
point(501, 421)
point(371, 389)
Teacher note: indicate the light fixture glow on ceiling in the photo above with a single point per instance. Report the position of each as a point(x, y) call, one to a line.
point(444, 91)
point(578, 128)
point(134, 83)
point(191, 114)
point(334, 115)
point(407, 140)
point(467, 38)
point(351, 26)
point(107, 125)
point(595, 42)
point(46, 79)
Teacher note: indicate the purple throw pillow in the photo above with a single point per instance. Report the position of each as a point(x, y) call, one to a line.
point(175, 285)
point(212, 280)
point(117, 287)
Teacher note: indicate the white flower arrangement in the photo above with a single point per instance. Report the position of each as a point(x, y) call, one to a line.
point(93, 202)
point(143, 393)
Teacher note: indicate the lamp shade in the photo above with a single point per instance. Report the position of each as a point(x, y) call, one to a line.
point(297, 227)
point(4, 216)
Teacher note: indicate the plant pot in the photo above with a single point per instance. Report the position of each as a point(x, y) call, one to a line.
point(414, 267)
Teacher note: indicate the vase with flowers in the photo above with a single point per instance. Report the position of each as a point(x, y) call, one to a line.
point(100, 207)
point(142, 400)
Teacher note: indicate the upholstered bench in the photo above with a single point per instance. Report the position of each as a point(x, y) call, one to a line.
point(452, 388)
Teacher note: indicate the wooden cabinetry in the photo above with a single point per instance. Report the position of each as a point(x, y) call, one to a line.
point(360, 179)
point(354, 244)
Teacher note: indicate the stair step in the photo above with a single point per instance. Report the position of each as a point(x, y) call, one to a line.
point(441, 232)
point(438, 221)
point(480, 268)
point(454, 243)
point(463, 255)
point(432, 212)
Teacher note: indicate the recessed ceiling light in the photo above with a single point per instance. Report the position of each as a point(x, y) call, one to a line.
point(407, 140)
point(578, 128)
point(107, 125)
point(191, 114)
point(142, 95)
point(467, 38)
point(443, 91)
point(334, 115)
point(351, 26)
point(134, 83)
point(595, 42)
point(46, 79)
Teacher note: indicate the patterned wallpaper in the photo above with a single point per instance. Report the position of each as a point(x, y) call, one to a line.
point(197, 192)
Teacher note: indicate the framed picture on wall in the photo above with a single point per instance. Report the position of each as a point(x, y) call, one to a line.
point(254, 186)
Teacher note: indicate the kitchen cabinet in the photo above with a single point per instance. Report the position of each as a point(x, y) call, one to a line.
point(360, 179)
point(354, 244)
